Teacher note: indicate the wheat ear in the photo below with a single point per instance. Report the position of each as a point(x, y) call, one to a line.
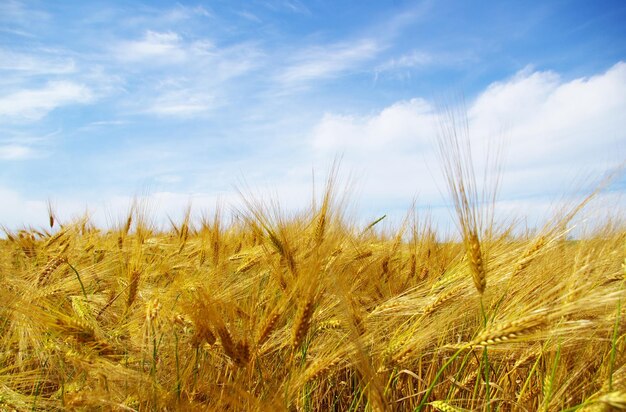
point(303, 322)
point(511, 330)
point(133, 285)
point(476, 263)
point(52, 265)
point(268, 328)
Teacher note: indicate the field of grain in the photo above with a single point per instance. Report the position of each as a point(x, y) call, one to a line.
point(267, 311)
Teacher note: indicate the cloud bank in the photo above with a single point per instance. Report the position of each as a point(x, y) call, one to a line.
point(554, 131)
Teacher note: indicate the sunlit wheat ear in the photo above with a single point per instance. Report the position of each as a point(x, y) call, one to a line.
point(614, 401)
point(476, 264)
point(202, 334)
point(529, 355)
point(329, 325)
point(248, 264)
point(243, 352)
point(412, 266)
point(129, 222)
point(52, 265)
point(302, 322)
point(80, 330)
point(362, 254)
point(108, 304)
point(513, 330)
point(50, 214)
point(227, 341)
point(320, 227)
point(133, 286)
point(617, 378)
point(26, 241)
point(152, 310)
point(270, 324)
point(320, 367)
point(239, 352)
point(441, 299)
point(445, 407)
point(529, 255)
point(467, 384)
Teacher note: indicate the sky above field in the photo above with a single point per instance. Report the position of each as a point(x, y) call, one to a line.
point(185, 101)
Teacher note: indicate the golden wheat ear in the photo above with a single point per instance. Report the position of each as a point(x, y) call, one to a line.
point(268, 327)
point(133, 287)
point(512, 330)
point(50, 214)
point(302, 322)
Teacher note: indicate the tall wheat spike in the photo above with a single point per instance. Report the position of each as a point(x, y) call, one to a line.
point(302, 322)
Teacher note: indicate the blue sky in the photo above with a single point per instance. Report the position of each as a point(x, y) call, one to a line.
point(100, 101)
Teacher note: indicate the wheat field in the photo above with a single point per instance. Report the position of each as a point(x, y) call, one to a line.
point(268, 311)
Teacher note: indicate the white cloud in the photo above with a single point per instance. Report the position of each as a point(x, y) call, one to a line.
point(166, 47)
point(16, 13)
point(249, 16)
point(198, 75)
point(555, 131)
point(548, 121)
point(33, 104)
point(181, 103)
point(15, 152)
point(320, 62)
point(181, 13)
point(404, 123)
point(410, 60)
point(293, 6)
point(31, 64)
point(108, 123)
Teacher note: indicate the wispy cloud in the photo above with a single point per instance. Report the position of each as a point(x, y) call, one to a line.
point(410, 60)
point(163, 47)
point(23, 145)
point(323, 62)
point(156, 17)
point(16, 12)
point(33, 104)
point(198, 72)
point(108, 123)
point(293, 6)
point(15, 152)
point(182, 13)
point(181, 103)
point(35, 63)
point(249, 16)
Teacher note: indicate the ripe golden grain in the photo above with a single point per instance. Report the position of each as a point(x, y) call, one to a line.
point(51, 266)
point(133, 286)
point(476, 264)
point(516, 329)
point(444, 406)
point(302, 322)
point(270, 324)
point(441, 299)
